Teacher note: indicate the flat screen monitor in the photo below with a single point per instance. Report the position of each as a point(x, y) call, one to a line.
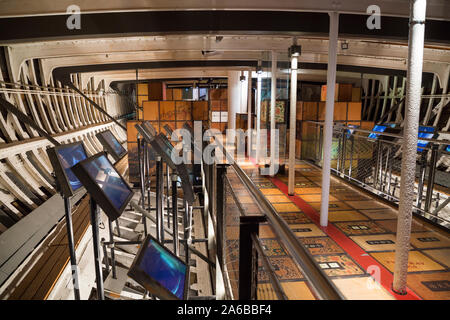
point(105, 185)
point(377, 128)
point(351, 130)
point(159, 271)
point(111, 144)
point(165, 148)
point(63, 158)
point(427, 133)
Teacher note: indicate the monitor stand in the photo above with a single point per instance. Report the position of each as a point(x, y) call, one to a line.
point(73, 259)
point(96, 244)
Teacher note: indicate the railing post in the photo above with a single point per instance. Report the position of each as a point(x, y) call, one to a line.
point(248, 258)
point(219, 196)
point(431, 176)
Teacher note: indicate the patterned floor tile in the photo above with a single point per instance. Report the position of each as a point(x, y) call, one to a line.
point(277, 198)
point(271, 191)
point(297, 290)
point(350, 196)
point(362, 288)
point(391, 225)
point(427, 240)
point(417, 261)
point(379, 242)
point(265, 291)
point(306, 230)
point(304, 184)
point(359, 227)
point(338, 265)
point(264, 185)
point(284, 267)
point(286, 207)
point(366, 204)
point(295, 217)
point(380, 214)
point(321, 245)
point(265, 231)
point(335, 216)
point(315, 197)
point(332, 206)
point(440, 255)
point(272, 248)
point(307, 190)
point(431, 286)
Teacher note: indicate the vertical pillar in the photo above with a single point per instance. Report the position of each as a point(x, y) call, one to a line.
point(292, 123)
point(410, 131)
point(273, 97)
point(258, 117)
point(249, 113)
point(329, 110)
point(234, 96)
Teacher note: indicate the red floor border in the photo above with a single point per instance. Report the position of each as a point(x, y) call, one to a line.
point(355, 251)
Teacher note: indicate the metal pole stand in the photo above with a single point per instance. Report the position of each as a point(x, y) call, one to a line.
point(187, 229)
point(159, 201)
point(73, 259)
point(176, 245)
point(111, 247)
point(96, 243)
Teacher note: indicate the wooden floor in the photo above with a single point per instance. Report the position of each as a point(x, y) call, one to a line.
point(358, 244)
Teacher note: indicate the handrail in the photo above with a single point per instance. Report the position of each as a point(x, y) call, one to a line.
point(435, 141)
point(322, 287)
point(271, 272)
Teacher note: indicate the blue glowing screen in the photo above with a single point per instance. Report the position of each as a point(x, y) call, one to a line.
point(164, 268)
point(377, 128)
point(113, 143)
point(70, 156)
point(427, 133)
point(107, 178)
point(350, 131)
point(448, 148)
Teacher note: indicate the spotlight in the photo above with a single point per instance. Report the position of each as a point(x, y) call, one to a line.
point(295, 51)
point(258, 69)
point(344, 45)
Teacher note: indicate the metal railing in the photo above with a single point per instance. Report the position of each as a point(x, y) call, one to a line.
point(375, 165)
point(247, 271)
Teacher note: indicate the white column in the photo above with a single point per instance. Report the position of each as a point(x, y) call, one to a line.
point(292, 123)
point(258, 117)
point(410, 131)
point(329, 110)
point(234, 97)
point(243, 93)
point(273, 96)
point(249, 112)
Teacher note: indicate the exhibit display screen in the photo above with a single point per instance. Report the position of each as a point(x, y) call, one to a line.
point(109, 180)
point(63, 158)
point(427, 133)
point(351, 130)
point(112, 145)
point(377, 128)
point(159, 264)
point(105, 185)
point(159, 271)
